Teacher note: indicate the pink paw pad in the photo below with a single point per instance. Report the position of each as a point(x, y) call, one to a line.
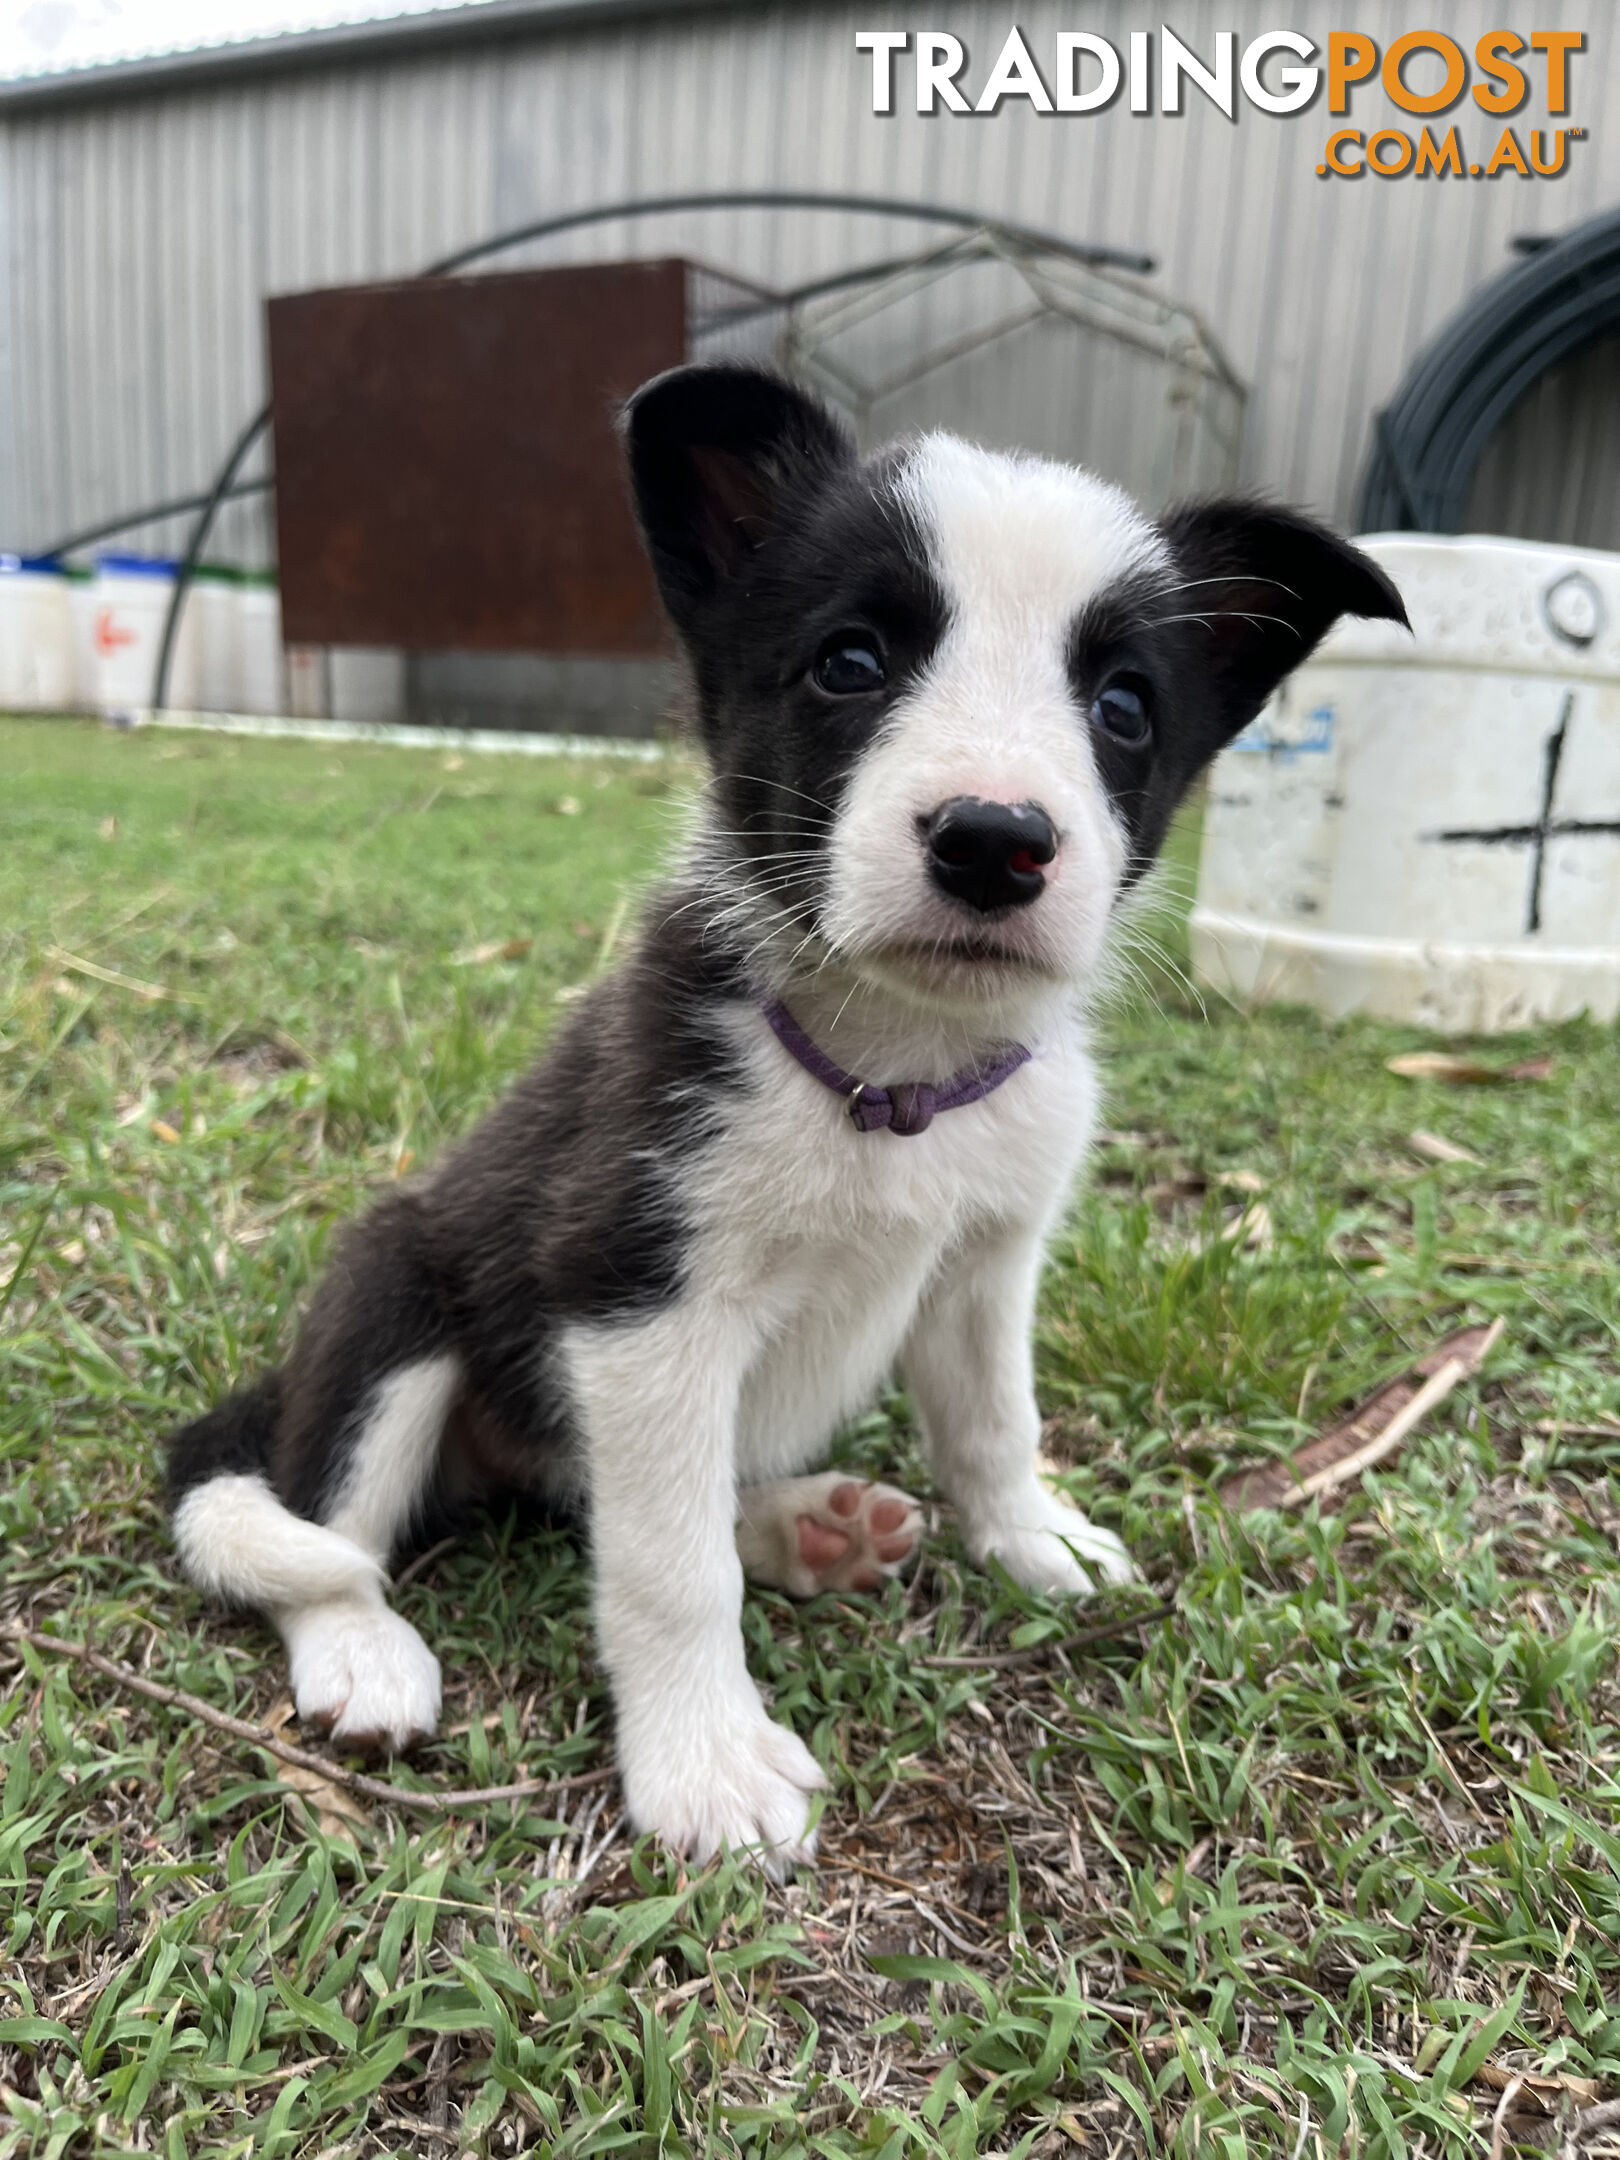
point(820, 1547)
point(858, 1536)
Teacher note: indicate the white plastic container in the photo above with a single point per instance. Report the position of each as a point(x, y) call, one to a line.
point(132, 594)
point(263, 662)
point(36, 637)
point(1428, 828)
point(81, 585)
point(213, 610)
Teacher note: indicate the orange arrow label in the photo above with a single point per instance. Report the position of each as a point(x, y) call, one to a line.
point(110, 634)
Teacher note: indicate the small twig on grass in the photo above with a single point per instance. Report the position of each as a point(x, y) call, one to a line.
point(996, 1660)
point(1499, 2121)
point(422, 1562)
point(368, 1788)
point(1588, 2123)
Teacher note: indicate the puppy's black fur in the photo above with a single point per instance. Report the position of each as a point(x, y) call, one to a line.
point(558, 1208)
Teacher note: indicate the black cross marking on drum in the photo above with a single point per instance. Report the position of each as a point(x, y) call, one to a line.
point(1546, 826)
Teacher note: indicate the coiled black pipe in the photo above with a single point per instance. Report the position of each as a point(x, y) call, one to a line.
point(648, 206)
point(1428, 441)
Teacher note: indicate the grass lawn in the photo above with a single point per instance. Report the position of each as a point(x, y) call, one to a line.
point(1325, 1862)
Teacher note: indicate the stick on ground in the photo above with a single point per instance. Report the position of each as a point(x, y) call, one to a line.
point(368, 1788)
point(997, 1659)
point(1369, 1433)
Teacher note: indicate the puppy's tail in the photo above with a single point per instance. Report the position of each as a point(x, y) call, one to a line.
point(235, 1538)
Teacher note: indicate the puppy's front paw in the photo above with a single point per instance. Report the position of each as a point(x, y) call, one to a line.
point(362, 1674)
point(733, 1778)
point(1046, 1545)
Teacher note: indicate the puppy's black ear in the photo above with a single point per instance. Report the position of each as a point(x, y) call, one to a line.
point(715, 452)
point(1262, 586)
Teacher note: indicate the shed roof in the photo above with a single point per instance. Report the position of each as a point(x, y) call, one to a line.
point(480, 22)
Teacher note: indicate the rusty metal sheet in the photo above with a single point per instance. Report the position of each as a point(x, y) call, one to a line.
point(447, 474)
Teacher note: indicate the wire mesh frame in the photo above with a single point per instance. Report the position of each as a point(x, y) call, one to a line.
point(1204, 399)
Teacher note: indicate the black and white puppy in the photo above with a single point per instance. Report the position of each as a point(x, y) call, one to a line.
point(820, 1122)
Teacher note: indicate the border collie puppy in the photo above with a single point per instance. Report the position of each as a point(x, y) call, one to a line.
point(820, 1122)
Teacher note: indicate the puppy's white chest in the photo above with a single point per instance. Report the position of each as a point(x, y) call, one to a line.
point(791, 1168)
point(830, 1237)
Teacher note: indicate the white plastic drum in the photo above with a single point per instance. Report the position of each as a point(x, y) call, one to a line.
point(1428, 828)
point(36, 637)
point(81, 585)
point(263, 662)
point(213, 611)
point(132, 594)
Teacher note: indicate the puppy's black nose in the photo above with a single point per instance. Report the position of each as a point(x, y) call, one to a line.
point(988, 854)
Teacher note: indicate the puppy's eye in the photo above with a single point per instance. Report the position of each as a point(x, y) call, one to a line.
point(1120, 712)
point(849, 667)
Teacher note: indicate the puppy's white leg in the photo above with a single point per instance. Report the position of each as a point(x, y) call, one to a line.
point(701, 1762)
point(969, 1365)
point(826, 1532)
point(358, 1669)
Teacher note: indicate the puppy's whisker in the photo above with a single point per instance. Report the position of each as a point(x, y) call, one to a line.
point(1214, 615)
point(782, 787)
point(735, 904)
point(1240, 577)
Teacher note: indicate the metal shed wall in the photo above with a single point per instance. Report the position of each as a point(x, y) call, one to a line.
point(140, 234)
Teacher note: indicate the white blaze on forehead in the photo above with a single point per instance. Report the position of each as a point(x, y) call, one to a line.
point(1018, 547)
point(1019, 543)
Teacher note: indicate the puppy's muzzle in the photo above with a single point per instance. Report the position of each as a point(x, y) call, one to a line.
point(989, 855)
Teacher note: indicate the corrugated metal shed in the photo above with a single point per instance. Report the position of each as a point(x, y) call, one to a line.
point(146, 215)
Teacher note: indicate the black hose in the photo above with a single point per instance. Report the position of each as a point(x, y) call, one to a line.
point(109, 528)
point(1428, 440)
point(194, 547)
point(764, 303)
point(1023, 236)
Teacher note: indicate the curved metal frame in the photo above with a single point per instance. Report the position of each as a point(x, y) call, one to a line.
point(1428, 440)
point(1021, 236)
point(1122, 310)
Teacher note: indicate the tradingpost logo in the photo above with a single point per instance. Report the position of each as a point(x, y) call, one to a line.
point(1456, 113)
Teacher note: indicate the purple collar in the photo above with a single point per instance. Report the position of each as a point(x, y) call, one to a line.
point(907, 1108)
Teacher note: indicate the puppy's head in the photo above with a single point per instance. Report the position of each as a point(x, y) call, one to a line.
point(952, 697)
